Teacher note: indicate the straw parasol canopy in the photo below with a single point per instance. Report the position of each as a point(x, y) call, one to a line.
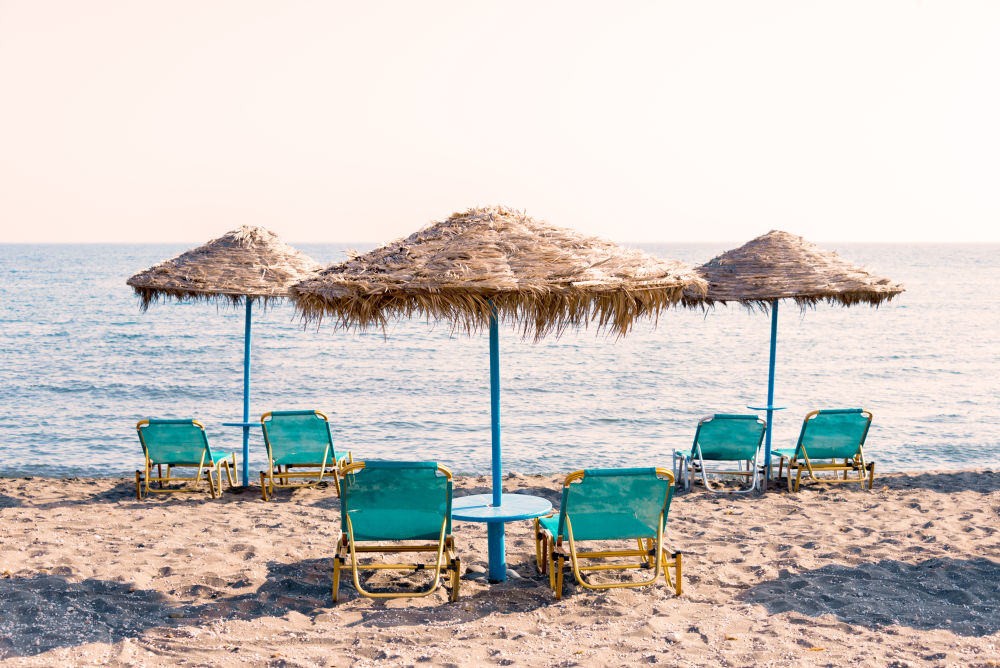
point(779, 265)
point(250, 262)
point(541, 277)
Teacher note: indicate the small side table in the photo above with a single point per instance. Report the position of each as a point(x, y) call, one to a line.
point(513, 507)
point(770, 416)
point(247, 426)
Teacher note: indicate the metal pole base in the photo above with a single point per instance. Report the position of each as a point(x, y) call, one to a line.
point(246, 456)
point(498, 559)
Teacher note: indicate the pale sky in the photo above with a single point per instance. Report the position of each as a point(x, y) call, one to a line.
point(363, 121)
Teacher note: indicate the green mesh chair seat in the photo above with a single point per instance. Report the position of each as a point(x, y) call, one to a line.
point(838, 435)
point(724, 438)
point(602, 526)
point(302, 440)
point(637, 493)
point(395, 524)
point(297, 459)
point(411, 499)
point(607, 505)
point(396, 501)
point(179, 443)
point(834, 434)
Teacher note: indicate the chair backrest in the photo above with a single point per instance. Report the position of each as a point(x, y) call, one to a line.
point(833, 434)
point(607, 504)
point(175, 442)
point(391, 500)
point(301, 437)
point(729, 437)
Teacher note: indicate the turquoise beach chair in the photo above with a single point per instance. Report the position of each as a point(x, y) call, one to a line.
point(299, 439)
point(606, 505)
point(396, 501)
point(830, 434)
point(178, 444)
point(724, 438)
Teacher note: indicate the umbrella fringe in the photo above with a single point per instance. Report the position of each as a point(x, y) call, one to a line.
point(540, 279)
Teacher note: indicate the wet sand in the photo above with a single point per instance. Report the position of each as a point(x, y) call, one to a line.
point(907, 574)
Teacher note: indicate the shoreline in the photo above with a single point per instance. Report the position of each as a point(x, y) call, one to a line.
point(128, 475)
point(830, 575)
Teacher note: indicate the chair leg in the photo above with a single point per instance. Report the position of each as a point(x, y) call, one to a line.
point(871, 474)
point(559, 577)
point(211, 482)
point(336, 576)
point(456, 578)
point(263, 486)
point(138, 485)
point(541, 542)
point(677, 574)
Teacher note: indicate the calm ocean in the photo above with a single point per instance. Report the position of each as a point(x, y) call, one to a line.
point(80, 365)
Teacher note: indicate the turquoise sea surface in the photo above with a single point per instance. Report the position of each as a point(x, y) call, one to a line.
point(80, 365)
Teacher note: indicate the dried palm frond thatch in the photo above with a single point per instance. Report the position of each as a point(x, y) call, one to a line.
point(248, 263)
point(779, 265)
point(540, 277)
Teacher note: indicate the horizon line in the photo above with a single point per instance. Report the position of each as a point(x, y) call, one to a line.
point(375, 243)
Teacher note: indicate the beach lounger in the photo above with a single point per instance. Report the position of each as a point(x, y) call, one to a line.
point(396, 501)
point(299, 440)
point(835, 435)
point(179, 444)
point(724, 438)
point(607, 505)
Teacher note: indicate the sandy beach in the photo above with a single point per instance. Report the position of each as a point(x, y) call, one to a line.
point(906, 574)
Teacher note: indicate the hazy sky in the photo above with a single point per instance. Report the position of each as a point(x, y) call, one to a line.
point(639, 121)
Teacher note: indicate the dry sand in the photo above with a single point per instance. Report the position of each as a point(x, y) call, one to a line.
point(908, 574)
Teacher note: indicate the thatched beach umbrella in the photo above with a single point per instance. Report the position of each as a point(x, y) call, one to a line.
point(484, 266)
point(779, 265)
point(242, 266)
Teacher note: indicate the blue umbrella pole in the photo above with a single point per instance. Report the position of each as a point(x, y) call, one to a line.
point(246, 394)
point(770, 389)
point(495, 530)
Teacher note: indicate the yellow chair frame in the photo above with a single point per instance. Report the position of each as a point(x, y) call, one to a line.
point(267, 478)
point(856, 464)
point(444, 550)
point(551, 555)
point(142, 482)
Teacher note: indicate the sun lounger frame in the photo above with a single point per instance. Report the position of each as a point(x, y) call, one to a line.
point(686, 464)
point(445, 557)
point(552, 553)
point(856, 464)
point(275, 478)
point(144, 478)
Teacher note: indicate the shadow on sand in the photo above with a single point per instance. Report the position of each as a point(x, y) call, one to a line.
point(124, 492)
point(983, 482)
point(47, 611)
point(958, 595)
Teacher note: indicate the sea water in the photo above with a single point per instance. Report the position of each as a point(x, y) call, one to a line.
point(80, 365)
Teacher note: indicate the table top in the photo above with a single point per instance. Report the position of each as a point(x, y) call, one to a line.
point(767, 408)
point(478, 508)
point(241, 424)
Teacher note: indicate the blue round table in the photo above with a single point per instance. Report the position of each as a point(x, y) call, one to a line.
point(770, 416)
point(513, 507)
